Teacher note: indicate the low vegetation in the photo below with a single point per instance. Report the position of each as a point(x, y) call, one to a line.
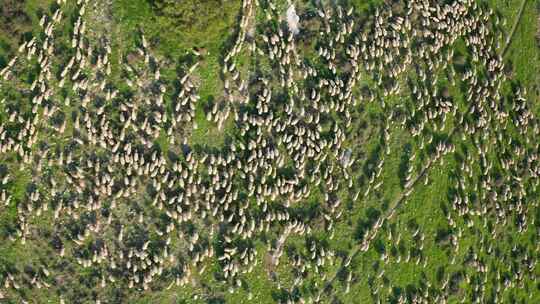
point(211, 152)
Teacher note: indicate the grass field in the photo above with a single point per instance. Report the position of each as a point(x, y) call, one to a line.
point(419, 221)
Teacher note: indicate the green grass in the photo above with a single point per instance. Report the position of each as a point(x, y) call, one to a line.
point(423, 205)
point(178, 41)
point(523, 53)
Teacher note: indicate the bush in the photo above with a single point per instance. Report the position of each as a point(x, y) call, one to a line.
point(196, 22)
point(14, 22)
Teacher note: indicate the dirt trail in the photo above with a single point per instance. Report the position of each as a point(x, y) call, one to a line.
point(388, 214)
point(514, 27)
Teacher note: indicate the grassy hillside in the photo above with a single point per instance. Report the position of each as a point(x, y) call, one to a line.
point(144, 197)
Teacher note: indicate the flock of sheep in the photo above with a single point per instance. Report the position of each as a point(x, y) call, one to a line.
point(113, 184)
